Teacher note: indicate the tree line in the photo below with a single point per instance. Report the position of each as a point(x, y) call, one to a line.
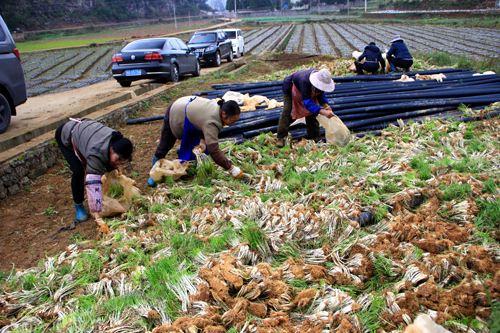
point(46, 14)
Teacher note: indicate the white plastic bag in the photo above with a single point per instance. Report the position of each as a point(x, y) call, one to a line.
point(336, 131)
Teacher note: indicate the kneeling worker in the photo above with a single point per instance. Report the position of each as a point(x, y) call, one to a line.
point(373, 60)
point(197, 121)
point(304, 96)
point(398, 55)
point(91, 149)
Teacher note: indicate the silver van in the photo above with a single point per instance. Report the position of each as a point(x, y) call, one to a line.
point(12, 85)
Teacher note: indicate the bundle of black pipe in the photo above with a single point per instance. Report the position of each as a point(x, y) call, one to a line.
point(352, 78)
point(355, 88)
point(365, 105)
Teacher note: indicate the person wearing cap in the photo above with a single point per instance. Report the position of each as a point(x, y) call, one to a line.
point(91, 150)
point(197, 122)
point(398, 55)
point(304, 96)
point(373, 60)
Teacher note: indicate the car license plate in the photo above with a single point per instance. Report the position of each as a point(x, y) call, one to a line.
point(133, 72)
point(200, 50)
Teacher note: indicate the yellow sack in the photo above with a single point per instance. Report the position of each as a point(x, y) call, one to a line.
point(116, 206)
point(164, 168)
point(335, 130)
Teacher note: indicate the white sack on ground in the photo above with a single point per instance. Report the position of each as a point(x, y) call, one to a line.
point(165, 168)
point(424, 324)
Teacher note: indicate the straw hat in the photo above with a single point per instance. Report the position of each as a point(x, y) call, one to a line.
point(396, 38)
point(322, 80)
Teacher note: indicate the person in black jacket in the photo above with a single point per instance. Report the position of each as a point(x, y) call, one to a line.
point(374, 60)
point(398, 55)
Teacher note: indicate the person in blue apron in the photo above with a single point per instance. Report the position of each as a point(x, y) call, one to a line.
point(373, 60)
point(197, 122)
point(398, 55)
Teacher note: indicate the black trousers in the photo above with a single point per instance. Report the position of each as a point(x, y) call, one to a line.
point(76, 167)
point(400, 63)
point(167, 138)
point(312, 123)
point(370, 67)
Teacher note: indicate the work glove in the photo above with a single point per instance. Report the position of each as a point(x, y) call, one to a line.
point(236, 173)
point(93, 185)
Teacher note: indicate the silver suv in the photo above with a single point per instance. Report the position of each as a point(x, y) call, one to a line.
point(12, 85)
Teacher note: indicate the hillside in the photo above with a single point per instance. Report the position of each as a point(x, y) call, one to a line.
point(46, 14)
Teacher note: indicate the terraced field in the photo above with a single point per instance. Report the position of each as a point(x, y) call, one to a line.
point(341, 39)
point(54, 71)
point(65, 69)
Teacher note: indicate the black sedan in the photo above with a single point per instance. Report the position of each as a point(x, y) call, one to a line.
point(211, 46)
point(164, 59)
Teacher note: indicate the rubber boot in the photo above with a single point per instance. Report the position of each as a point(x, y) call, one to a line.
point(280, 142)
point(80, 213)
point(151, 182)
point(366, 218)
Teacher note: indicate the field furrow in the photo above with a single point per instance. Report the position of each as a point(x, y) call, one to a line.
point(272, 40)
point(324, 42)
point(453, 44)
point(293, 43)
point(309, 40)
point(341, 43)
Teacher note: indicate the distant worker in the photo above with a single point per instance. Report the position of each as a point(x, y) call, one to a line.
point(304, 96)
point(197, 122)
point(91, 150)
point(398, 55)
point(373, 60)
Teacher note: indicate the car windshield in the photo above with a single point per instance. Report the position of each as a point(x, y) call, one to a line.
point(203, 38)
point(145, 44)
point(231, 34)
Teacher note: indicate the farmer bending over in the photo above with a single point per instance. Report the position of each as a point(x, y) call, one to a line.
point(91, 149)
point(197, 122)
point(374, 60)
point(304, 96)
point(398, 55)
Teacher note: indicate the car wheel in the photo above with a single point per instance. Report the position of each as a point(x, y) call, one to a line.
point(217, 59)
point(230, 56)
point(197, 72)
point(5, 113)
point(242, 52)
point(174, 73)
point(125, 83)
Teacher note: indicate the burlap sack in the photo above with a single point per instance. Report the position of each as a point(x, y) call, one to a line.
point(112, 206)
point(164, 168)
point(336, 131)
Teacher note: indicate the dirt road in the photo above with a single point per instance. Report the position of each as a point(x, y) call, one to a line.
point(42, 114)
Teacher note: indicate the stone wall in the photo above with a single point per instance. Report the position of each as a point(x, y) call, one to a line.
point(17, 173)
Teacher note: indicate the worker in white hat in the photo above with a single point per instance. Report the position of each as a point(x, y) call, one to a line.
point(304, 96)
point(398, 55)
